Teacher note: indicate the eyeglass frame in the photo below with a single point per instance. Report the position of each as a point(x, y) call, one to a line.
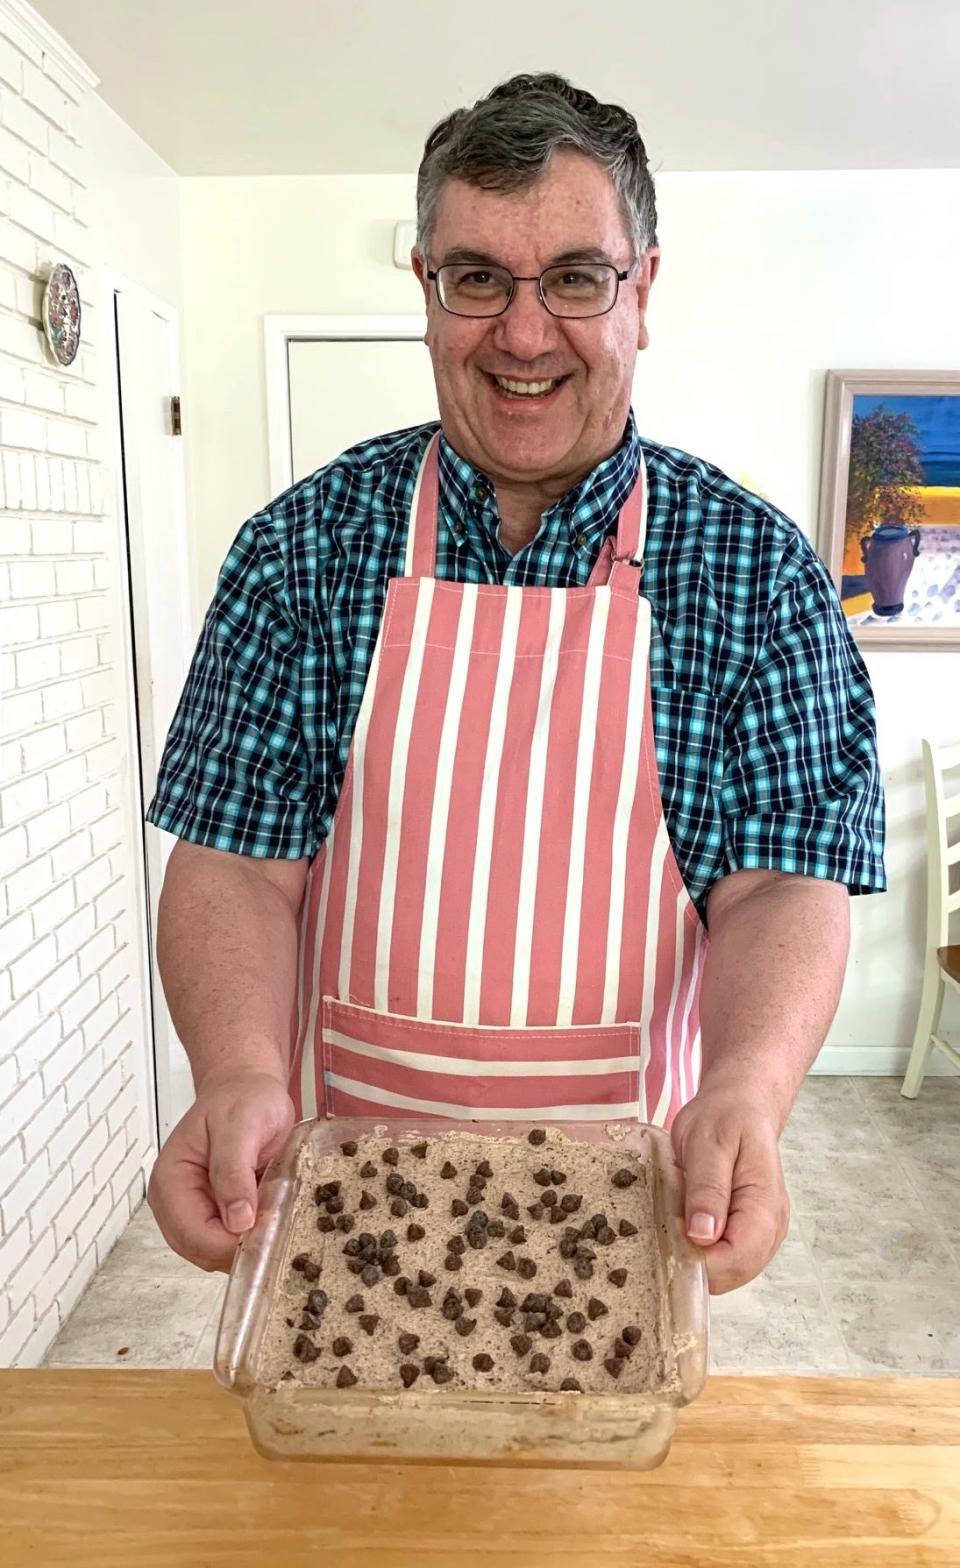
point(621, 277)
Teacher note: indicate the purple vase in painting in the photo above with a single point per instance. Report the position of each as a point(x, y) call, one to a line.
point(888, 557)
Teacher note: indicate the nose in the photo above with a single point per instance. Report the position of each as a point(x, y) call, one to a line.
point(526, 329)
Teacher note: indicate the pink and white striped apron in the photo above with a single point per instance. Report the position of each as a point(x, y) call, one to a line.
point(495, 925)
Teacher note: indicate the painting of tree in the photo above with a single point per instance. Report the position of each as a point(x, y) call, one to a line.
point(885, 460)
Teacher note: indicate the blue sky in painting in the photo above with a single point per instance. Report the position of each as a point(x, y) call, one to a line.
point(937, 419)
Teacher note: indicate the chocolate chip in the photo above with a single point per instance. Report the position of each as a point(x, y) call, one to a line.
point(284, 1376)
point(390, 1264)
point(622, 1351)
point(391, 1156)
point(345, 1378)
point(326, 1189)
point(408, 1342)
point(484, 1168)
point(409, 1191)
point(415, 1233)
point(627, 1228)
point(556, 1215)
point(613, 1366)
point(617, 1277)
point(596, 1309)
point(564, 1288)
point(533, 1321)
point(534, 1301)
point(518, 1235)
point(597, 1222)
point(345, 1222)
point(420, 1201)
point(536, 1211)
point(632, 1334)
point(576, 1322)
point(479, 1220)
point(496, 1228)
point(506, 1298)
point(567, 1247)
point(465, 1326)
point(459, 1207)
point(298, 1262)
point(506, 1260)
point(453, 1261)
point(418, 1296)
point(473, 1295)
point(388, 1239)
point(349, 1147)
point(452, 1310)
point(623, 1178)
point(509, 1206)
point(352, 1247)
point(353, 1303)
point(521, 1343)
point(542, 1176)
point(526, 1268)
point(311, 1272)
point(334, 1205)
point(367, 1200)
point(399, 1207)
point(394, 1183)
point(570, 1384)
point(536, 1136)
point(370, 1274)
point(582, 1350)
point(605, 1235)
point(570, 1202)
point(456, 1244)
point(585, 1252)
point(448, 1171)
point(483, 1362)
point(304, 1349)
point(424, 1277)
point(429, 1362)
point(368, 1169)
point(325, 1222)
point(442, 1373)
point(549, 1199)
point(474, 1195)
point(539, 1362)
point(583, 1268)
point(553, 1309)
point(419, 1149)
point(504, 1315)
point(551, 1329)
point(401, 1285)
point(368, 1322)
point(342, 1346)
point(355, 1265)
point(409, 1373)
point(558, 1178)
point(317, 1301)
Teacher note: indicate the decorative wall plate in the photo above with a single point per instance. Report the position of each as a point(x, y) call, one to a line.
point(61, 314)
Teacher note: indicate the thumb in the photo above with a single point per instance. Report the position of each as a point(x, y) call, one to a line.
point(708, 1172)
point(235, 1146)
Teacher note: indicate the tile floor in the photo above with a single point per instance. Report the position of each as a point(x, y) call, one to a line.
point(867, 1283)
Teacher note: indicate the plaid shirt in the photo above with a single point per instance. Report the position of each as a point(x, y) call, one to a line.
point(762, 708)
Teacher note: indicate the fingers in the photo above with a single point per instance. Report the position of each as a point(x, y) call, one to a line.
point(758, 1221)
point(708, 1158)
point(180, 1197)
point(242, 1133)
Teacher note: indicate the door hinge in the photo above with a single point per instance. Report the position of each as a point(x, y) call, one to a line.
point(176, 427)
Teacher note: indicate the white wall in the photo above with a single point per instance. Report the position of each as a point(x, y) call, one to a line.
point(767, 281)
point(75, 1122)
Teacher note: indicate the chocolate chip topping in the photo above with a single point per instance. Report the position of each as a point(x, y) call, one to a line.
point(563, 1288)
point(298, 1262)
point(526, 1268)
point(346, 1378)
point(317, 1300)
point(370, 1274)
point(551, 1329)
point(482, 1362)
point(415, 1233)
point(399, 1207)
point(304, 1349)
point(536, 1136)
point(582, 1350)
point(627, 1228)
point(570, 1202)
point(419, 1149)
point(542, 1176)
point(409, 1374)
point(458, 1206)
point(465, 1326)
point(391, 1156)
point(484, 1168)
point(521, 1343)
point(571, 1385)
point(367, 1200)
point(506, 1298)
point(325, 1222)
point(342, 1346)
point(442, 1373)
point(448, 1170)
point(504, 1315)
point(596, 1309)
point(453, 1262)
point(623, 1178)
point(558, 1177)
point(632, 1334)
point(539, 1362)
point(368, 1321)
point(617, 1277)
point(368, 1169)
point(353, 1304)
point(424, 1277)
point(349, 1147)
point(583, 1268)
point(576, 1322)
point(418, 1296)
point(473, 1295)
point(401, 1285)
point(613, 1366)
point(408, 1342)
point(506, 1260)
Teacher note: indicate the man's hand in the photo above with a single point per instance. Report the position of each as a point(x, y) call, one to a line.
point(203, 1189)
point(737, 1206)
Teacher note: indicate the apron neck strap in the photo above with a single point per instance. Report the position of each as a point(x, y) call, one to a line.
point(421, 553)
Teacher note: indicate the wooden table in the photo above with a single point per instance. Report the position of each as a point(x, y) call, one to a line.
point(126, 1469)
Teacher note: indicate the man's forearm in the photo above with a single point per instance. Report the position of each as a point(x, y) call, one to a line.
point(227, 943)
point(772, 981)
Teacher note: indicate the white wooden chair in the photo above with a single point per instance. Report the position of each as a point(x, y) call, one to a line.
point(942, 962)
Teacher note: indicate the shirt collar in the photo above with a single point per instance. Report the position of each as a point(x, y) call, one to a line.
point(587, 513)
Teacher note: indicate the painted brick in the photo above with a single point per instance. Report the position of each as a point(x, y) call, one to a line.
point(52, 536)
point(125, 1104)
point(113, 903)
point(59, 1272)
point(67, 155)
point(74, 238)
point(103, 1095)
point(66, 779)
point(20, 1328)
point(38, 1132)
point(74, 932)
point(88, 806)
point(20, 427)
point(14, 536)
point(44, 747)
point(26, 887)
point(19, 712)
point(11, 64)
point(65, 439)
point(79, 653)
point(107, 834)
point(65, 1140)
point(33, 966)
point(74, 577)
point(59, 619)
point(16, 1024)
point(128, 1179)
point(51, 182)
point(63, 1060)
point(14, 1248)
point(46, 96)
point(13, 849)
point(48, 829)
point(14, 157)
point(93, 613)
point(11, 1164)
point(44, 1333)
point(51, 911)
point(28, 481)
point(23, 799)
point(42, 391)
point(69, 856)
point(22, 120)
point(80, 1004)
point(94, 954)
point(50, 1201)
point(33, 580)
point(26, 1189)
point(19, 623)
point(100, 1021)
point(78, 1281)
point(110, 1159)
point(111, 1232)
point(35, 1047)
point(58, 986)
point(33, 213)
point(103, 759)
point(116, 971)
point(94, 1220)
point(23, 1283)
point(99, 688)
point(89, 1149)
point(80, 1082)
point(62, 698)
point(83, 731)
point(93, 879)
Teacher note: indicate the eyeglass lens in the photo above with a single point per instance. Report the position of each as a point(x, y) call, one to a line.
point(586, 289)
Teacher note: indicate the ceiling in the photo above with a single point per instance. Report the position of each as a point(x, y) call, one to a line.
point(273, 87)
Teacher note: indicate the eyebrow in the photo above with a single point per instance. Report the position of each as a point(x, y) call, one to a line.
point(460, 253)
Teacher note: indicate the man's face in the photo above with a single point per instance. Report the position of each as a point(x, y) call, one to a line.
point(560, 436)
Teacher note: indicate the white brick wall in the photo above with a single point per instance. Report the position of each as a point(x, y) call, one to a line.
point(73, 1130)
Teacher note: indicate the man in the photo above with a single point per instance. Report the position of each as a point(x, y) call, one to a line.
point(461, 794)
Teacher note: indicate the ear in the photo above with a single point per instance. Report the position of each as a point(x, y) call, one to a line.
point(650, 268)
point(419, 264)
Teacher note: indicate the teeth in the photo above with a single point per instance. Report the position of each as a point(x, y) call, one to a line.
point(526, 388)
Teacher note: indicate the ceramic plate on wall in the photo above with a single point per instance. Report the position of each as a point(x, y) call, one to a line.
point(61, 314)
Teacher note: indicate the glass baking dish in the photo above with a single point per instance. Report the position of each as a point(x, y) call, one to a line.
point(604, 1430)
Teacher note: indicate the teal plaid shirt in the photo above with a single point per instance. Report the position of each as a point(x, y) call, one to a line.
point(762, 709)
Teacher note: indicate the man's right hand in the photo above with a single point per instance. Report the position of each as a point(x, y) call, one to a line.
point(203, 1190)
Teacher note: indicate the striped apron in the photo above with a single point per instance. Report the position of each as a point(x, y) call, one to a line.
point(495, 925)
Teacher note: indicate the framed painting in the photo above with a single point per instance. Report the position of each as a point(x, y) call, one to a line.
point(890, 504)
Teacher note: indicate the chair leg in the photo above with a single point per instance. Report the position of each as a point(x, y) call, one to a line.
point(928, 1022)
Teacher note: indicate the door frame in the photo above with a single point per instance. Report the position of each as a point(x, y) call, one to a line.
point(129, 599)
point(278, 333)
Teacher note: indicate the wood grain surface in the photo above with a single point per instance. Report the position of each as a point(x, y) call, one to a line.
point(134, 1469)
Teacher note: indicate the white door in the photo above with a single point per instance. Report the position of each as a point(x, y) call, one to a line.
point(154, 496)
point(345, 390)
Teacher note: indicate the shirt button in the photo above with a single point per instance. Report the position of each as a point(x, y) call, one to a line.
point(458, 530)
point(481, 492)
point(580, 541)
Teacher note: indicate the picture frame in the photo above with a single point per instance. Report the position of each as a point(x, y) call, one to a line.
point(889, 524)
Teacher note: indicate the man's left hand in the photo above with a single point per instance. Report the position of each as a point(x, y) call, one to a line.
point(737, 1206)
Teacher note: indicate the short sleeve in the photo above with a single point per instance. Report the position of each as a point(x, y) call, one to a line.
point(802, 790)
point(235, 773)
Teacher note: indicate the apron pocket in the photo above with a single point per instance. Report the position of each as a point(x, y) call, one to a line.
point(388, 1064)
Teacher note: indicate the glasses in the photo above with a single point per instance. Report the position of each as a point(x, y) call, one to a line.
point(574, 292)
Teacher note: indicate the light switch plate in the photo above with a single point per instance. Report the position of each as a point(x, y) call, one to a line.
point(404, 239)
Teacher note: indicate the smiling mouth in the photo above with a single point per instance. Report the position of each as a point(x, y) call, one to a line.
point(511, 387)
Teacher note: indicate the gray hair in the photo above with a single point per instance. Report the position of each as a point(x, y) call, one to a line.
point(505, 141)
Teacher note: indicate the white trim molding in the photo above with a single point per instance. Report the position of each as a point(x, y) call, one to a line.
point(874, 1061)
point(27, 27)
